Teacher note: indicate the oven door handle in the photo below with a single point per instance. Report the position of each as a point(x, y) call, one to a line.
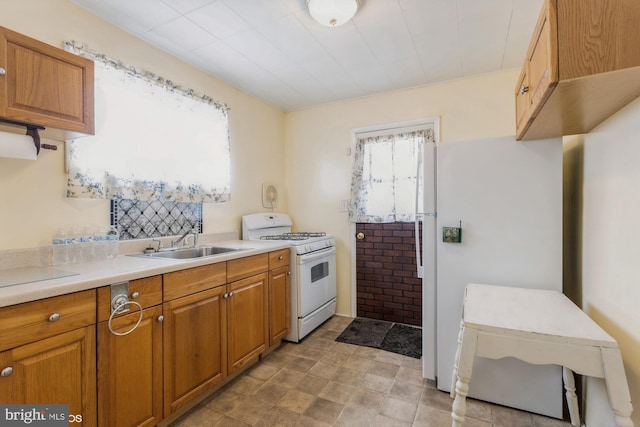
point(317, 254)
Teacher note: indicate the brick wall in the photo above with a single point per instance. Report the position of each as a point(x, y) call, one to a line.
point(388, 287)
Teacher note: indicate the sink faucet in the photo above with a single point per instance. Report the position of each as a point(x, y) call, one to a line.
point(194, 230)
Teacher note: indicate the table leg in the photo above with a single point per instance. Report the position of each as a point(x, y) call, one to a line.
point(572, 399)
point(617, 387)
point(465, 365)
point(454, 375)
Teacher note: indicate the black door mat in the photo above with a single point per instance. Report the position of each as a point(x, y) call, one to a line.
point(404, 339)
point(388, 336)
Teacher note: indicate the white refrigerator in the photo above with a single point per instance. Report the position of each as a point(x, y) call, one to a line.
point(507, 195)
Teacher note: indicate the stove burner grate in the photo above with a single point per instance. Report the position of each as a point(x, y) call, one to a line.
point(293, 236)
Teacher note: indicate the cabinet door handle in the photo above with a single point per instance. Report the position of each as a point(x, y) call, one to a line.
point(225, 296)
point(2, 71)
point(524, 89)
point(54, 317)
point(6, 371)
point(288, 273)
point(230, 294)
point(161, 318)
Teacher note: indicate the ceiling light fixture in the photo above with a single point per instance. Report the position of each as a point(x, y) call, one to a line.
point(332, 13)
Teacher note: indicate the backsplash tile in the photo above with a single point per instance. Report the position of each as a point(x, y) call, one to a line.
point(137, 219)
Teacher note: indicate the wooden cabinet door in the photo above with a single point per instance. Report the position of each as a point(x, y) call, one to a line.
point(130, 371)
point(542, 58)
point(45, 85)
point(248, 329)
point(523, 116)
point(56, 370)
point(194, 346)
point(279, 310)
point(539, 75)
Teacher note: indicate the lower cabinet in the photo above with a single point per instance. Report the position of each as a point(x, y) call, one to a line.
point(130, 370)
point(56, 370)
point(248, 322)
point(184, 334)
point(279, 310)
point(48, 354)
point(194, 346)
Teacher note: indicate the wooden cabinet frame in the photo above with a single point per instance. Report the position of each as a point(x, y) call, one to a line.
point(583, 65)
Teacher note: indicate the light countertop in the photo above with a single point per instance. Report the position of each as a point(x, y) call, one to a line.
point(95, 274)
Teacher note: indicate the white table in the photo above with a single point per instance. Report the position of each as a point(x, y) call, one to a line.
point(538, 327)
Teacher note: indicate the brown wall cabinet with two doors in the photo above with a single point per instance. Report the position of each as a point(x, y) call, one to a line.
point(582, 65)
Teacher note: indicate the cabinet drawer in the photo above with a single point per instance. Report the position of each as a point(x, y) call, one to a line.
point(248, 266)
point(32, 321)
point(192, 280)
point(149, 292)
point(278, 258)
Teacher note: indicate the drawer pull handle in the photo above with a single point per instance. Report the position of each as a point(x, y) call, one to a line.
point(135, 295)
point(54, 317)
point(123, 306)
point(524, 89)
point(6, 371)
point(281, 257)
point(2, 71)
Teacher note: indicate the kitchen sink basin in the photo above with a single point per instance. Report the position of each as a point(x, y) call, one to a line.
point(189, 253)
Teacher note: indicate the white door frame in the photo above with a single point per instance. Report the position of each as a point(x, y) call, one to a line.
point(429, 339)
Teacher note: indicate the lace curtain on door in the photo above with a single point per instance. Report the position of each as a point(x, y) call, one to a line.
point(383, 184)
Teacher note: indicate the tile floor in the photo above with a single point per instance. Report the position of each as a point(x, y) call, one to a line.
point(321, 382)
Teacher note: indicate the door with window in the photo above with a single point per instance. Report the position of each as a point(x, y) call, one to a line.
point(385, 195)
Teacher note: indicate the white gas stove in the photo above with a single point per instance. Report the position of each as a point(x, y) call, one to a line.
point(313, 269)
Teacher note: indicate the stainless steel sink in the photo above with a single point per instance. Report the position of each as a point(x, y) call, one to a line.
point(189, 253)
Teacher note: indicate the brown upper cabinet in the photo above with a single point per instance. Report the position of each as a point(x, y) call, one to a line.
point(45, 86)
point(582, 65)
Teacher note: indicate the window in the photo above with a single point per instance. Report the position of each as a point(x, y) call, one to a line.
point(154, 140)
point(383, 185)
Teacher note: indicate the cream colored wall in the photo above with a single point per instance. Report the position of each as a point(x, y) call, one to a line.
point(32, 193)
point(318, 168)
point(610, 250)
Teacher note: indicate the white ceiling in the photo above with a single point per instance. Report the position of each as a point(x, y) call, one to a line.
point(274, 50)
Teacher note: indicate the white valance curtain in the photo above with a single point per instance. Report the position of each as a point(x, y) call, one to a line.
point(154, 140)
point(383, 184)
